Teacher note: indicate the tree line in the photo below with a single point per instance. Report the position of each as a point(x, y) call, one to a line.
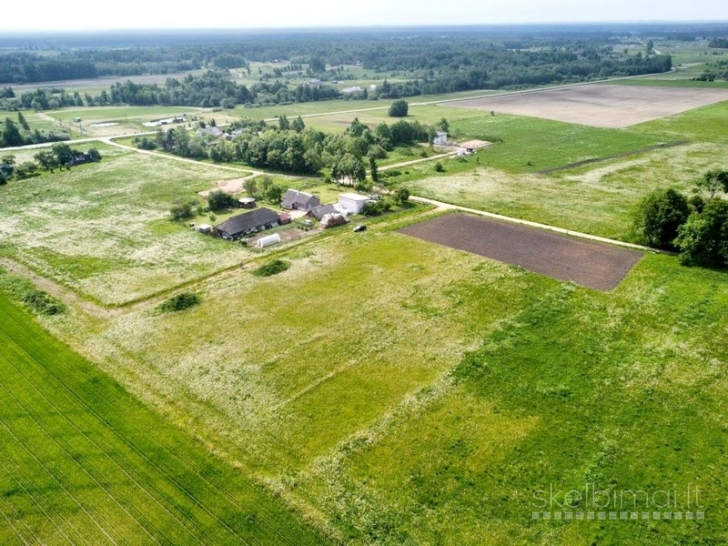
point(292, 147)
point(20, 133)
point(695, 226)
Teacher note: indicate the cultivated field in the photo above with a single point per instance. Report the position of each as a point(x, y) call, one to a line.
point(593, 265)
point(85, 463)
point(608, 106)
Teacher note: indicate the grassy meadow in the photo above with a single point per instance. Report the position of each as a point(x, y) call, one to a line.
point(399, 392)
point(103, 229)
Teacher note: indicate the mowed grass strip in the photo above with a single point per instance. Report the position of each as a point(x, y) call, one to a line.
point(85, 463)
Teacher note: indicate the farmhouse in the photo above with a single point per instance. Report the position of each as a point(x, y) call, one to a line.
point(299, 200)
point(353, 202)
point(250, 222)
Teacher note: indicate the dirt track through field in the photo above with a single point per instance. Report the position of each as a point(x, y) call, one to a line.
point(607, 106)
point(594, 265)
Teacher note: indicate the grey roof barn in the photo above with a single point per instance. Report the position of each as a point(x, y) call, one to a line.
point(249, 222)
point(299, 200)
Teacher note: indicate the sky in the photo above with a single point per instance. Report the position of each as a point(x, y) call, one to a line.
point(149, 14)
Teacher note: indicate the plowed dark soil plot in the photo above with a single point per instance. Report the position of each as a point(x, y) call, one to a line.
point(586, 263)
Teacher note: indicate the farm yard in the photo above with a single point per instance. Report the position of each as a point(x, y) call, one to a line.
point(414, 383)
point(594, 265)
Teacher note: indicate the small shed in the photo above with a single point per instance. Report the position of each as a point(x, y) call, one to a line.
point(246, 202)
point(284, 218)
point(440, 138)
point(353, 202)
point(268, 240)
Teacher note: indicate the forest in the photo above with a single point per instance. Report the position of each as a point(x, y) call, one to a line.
point(425, 62)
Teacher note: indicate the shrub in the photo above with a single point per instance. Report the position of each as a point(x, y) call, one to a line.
point(271, 268)
point(219, 200)
point(43, 303)
point(439, 168)
point(180, 302)
point(398, 109)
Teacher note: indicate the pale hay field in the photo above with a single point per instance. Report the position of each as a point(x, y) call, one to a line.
point(104, 230)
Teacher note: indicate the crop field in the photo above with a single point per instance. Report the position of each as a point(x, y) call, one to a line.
point(585, 263)
point(607, 106)
point(103, 229)
point(80, 466)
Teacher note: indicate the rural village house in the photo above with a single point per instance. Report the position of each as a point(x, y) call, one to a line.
point(250, 222)
point(299, 200)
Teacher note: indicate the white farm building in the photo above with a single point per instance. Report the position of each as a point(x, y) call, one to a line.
point(353, 202)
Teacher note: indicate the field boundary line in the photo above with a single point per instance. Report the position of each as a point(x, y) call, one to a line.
point(572, 166)
point(563, 231)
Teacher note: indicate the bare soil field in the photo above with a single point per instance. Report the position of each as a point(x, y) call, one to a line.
point(607, 106)
point(594, 265)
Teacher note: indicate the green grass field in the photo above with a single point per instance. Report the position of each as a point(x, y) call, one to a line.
point(85, 463)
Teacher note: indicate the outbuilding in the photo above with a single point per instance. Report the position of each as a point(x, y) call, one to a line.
point(353, 202)
point(268, 240)
point(440, 138)
point(299, 200)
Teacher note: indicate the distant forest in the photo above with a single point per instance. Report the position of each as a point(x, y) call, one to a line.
point(422, 61)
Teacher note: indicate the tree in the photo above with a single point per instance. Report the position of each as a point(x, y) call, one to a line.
point(349, 167)
point(63, 153)
point(11, 134)
point(298, 125)
point(283, 123)
point(712, 183)
point(442, 125)
point(659, 215)
point(398, 109)
point(8, 159)
point(274, 194)
point(251, 186)
point(94, 154)
point(703, 239)
point(23, 123)
point(47, 160)
point(373, 170)
point(3, 180)
point(401, 196)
